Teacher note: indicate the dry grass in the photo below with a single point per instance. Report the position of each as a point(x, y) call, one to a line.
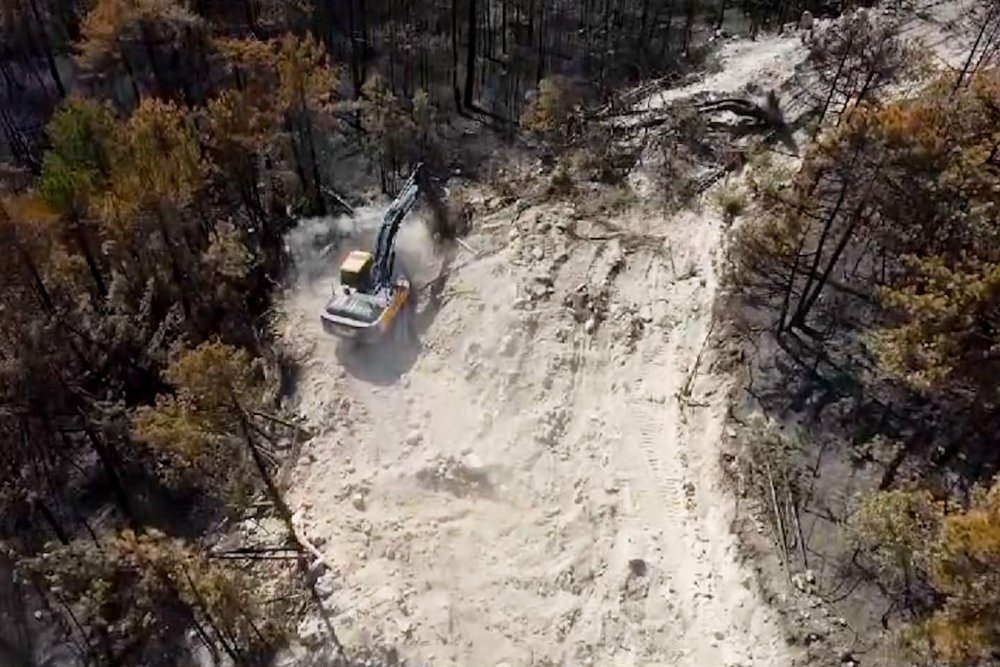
point(732, 201)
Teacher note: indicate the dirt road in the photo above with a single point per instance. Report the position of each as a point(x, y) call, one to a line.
point(525, 486)
point(537, 480)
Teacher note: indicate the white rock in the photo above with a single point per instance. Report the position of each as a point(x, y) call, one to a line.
point(358, 501)
point(507, 345)
point(327, 585)
point(590, 325)
point(311, 632)
point(315, 571)
point(473, 462)
point(537, 254)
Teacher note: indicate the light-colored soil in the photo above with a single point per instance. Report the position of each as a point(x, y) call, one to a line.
point(528, 483)
point(527, 487)
point(537, 481)
point(764, 62)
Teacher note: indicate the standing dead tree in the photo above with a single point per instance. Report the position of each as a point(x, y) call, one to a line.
point(855, 58)
point(984, 20)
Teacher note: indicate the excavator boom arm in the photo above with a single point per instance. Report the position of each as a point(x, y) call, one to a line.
point(385, 253)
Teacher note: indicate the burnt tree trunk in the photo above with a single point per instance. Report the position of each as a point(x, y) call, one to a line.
point(88, 256)
point(47, 48)
point(470, 57)
point(454, 56)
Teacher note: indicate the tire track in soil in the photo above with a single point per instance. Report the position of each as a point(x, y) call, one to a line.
point(588, 548)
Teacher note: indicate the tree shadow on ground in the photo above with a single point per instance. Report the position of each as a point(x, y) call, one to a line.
point(181, 510)
point(857, 432)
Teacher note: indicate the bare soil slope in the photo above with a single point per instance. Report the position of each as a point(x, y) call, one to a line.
point(528, 486)
point(537, 479)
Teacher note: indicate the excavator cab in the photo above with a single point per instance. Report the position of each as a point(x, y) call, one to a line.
point(368, 298)
point(356, 269)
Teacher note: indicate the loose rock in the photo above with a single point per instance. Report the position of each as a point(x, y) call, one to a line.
point(358, 501)
point(507, 345)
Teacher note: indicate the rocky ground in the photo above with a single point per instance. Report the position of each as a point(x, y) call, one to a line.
point(535, 478)
point(540, 480)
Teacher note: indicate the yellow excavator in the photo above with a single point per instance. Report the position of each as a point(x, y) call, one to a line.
point(369, 297)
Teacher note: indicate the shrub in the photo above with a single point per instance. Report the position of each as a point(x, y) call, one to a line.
point(894, 529)
point(561, 182)
point(732, 201)
point(689, 123)
point(552, 110)
point(134, 591)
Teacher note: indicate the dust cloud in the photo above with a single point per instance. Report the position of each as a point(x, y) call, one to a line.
point(526, 485)
point(519, 482)
point(318, 245)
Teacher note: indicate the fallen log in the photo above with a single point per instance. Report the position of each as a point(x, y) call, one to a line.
point(338, 200)
point(767, 114)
